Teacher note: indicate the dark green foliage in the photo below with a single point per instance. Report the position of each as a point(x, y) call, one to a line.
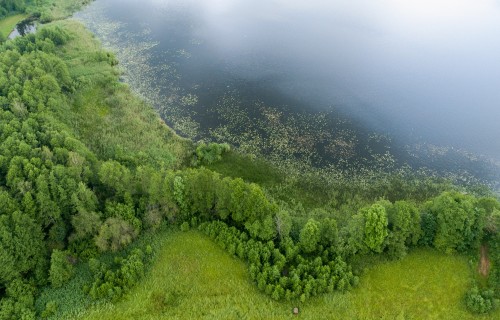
point(459, 222)
point(22, 249)
point(479, 301)
point(429, 228)
point(10, 6)
point(18, 301)
point(281, 272)
point(404, 227)
point(50, 310)
point(111, 282)
point(61, 269)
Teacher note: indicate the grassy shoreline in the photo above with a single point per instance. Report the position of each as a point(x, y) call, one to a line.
point(8, 24)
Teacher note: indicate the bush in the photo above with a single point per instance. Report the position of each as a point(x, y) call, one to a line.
point(209, 153)
point(50, 309)
point(185, 226)
point(111, 282)
point(479, 302)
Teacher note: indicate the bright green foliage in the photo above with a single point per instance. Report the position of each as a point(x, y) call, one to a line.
point(310, 236)
point(124, 211)
point(76, 149)
point(375, 226)
point(115, 177)
point(50, 309)
point(54, 190)
point(459, 222)
point(207, 154)
point(228, 294)
point(61, 270)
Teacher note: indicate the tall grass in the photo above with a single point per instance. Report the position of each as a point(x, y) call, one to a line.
point(106, 115)
point(192, 278)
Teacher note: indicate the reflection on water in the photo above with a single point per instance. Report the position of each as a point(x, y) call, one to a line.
point(377, 83)
point(23, 28)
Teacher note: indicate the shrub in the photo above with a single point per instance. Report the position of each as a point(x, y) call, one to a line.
point(209, 153)
point(185, 226)
point(479, 302)
point(50, 309)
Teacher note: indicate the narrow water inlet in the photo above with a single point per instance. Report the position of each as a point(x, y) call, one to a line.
point(23, 28)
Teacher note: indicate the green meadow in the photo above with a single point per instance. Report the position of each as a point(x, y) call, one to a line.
point(192, 278)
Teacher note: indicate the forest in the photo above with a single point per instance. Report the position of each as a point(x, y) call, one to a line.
point(87, 170)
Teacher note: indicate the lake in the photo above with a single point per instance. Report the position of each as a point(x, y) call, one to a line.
point(352, 82)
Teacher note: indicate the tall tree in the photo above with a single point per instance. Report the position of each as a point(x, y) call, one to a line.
point(375, 226)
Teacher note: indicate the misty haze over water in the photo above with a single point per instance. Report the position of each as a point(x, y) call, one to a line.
point(426, 70)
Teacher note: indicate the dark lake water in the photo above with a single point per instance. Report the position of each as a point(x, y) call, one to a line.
point(344, 81)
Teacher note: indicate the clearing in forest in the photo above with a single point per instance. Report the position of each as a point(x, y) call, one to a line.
point(192, 278)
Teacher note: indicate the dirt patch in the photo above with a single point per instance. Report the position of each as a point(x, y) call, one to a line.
point(484, 263)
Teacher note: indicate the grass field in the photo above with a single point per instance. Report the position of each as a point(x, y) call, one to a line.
point(8, 24)
point(192, 278)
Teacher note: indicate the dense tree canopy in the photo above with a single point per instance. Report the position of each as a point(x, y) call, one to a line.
point(8, 6)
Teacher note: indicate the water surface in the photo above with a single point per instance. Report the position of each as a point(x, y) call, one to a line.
point(321, 81)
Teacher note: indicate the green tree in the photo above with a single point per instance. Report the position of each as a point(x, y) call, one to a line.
point(309, 236)
point(375, 226)
point(85, 224)
point(329, 232)
point(115, 177)
point(22, 249)
point(61, 270)
point(459, 222)
point(114, 234)
point(283, 223)
point(404, 227)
